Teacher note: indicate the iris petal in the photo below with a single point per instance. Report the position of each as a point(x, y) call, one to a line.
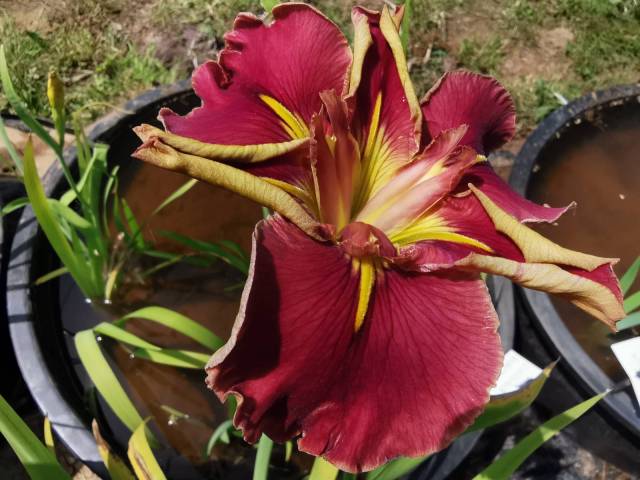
point(356, 398)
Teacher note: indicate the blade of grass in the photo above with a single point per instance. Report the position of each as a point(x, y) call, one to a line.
point(178, 322)
point(263, 458)
point(174, 358)
point(630, 276)
point(630, 321)
point(141, 456)
point(121, 335)
point(174, 196)
point(323, 470)
point(220, 434)
point(116, 467)
point(15, 157)
point(14, 205)
point(36, 458)
point(105, 380)
point(506, 465)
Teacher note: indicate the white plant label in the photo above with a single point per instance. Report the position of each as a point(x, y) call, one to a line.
point(628, 354)
point(516, 372)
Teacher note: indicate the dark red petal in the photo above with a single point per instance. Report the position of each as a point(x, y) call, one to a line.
point(483, 177)
point(604, 275)
point(288, 336)
point(292, 60)
point(475, 100)
point(416, 377)
point(386, 117)
point(466, 215)
point(407, 383)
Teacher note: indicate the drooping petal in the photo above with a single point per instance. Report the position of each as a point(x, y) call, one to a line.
point(487, 181)
point(475, 100)
point(266, 85)
point(516, 252)
point(357, 398)
point(534, 247)
point(215, 173)
point(386, 117)
point(596, 292)
point(223, 152)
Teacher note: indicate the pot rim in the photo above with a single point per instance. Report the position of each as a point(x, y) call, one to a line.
point(546, 320)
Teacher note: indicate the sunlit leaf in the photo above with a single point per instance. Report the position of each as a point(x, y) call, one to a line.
point(220, 434)
point(141, 456)
point(323, 470)
point(506, 465)
point(122, 335)
point(263, 458)
point(174, 358)
point(503, 407)
point(116, 467)
point(177, 322)
point(630, 276)
point(36, 458)
point(50, 225)
point(104, 379)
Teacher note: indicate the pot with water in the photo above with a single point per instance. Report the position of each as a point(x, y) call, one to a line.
point(588, 152)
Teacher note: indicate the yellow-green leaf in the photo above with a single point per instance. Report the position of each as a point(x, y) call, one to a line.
point(141, 456)
point(503, 407)
point(116, 467)
point(105, 380)
point(323, 470)
point(505, 466)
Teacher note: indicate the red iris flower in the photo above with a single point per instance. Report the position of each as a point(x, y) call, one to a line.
point(365, 328)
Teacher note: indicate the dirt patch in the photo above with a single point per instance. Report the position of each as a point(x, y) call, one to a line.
point(545, 57)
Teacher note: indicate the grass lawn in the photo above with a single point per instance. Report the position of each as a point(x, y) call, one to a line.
point(545, 51)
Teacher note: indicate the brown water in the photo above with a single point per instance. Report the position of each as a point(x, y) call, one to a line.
point(204, 213)
point(597, 164)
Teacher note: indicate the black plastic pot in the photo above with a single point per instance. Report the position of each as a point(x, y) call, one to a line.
point(45, 352)
point(612, 429)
